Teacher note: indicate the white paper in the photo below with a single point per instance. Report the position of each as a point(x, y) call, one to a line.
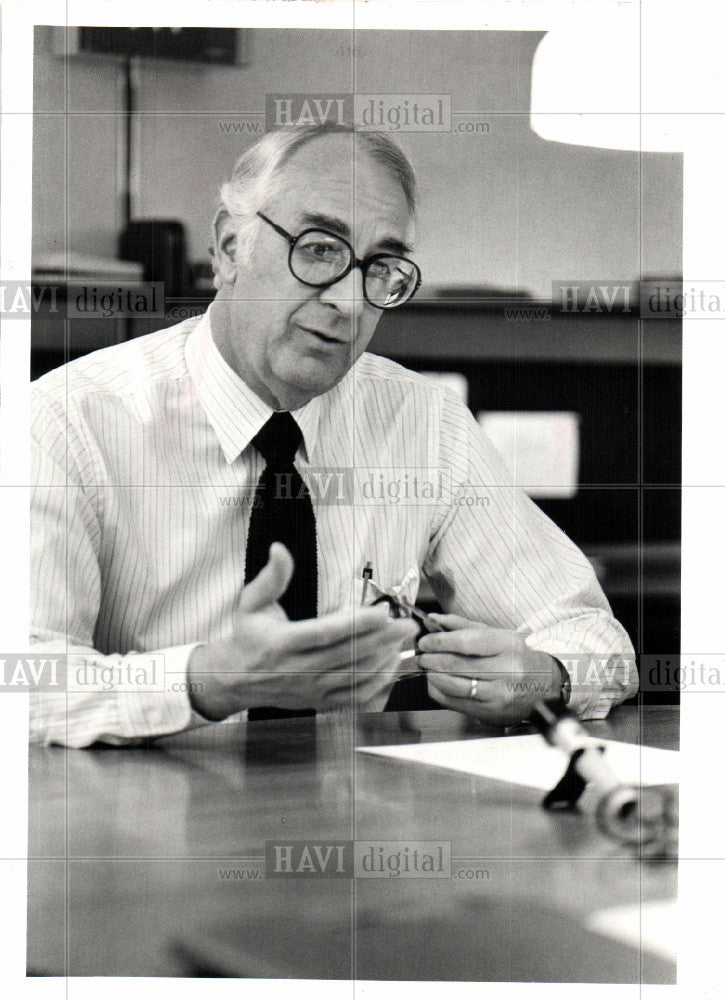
point(650, 926)
point(540, 450)
point(530, 761)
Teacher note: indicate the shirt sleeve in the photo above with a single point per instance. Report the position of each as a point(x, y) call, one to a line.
point(112, 698)
point(495, 557)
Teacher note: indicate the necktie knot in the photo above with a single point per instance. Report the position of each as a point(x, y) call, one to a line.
point(278, 440)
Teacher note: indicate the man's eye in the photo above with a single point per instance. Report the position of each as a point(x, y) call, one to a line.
point(379, 269)
point(321, 251)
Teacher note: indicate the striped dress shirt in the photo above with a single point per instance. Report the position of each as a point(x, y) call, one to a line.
point(144, 476)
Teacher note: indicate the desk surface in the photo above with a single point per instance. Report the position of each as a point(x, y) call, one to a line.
point(131, 849)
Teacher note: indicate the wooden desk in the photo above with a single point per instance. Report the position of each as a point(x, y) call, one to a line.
point(128, 846)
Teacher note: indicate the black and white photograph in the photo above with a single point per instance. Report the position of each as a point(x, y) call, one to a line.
point(343, 453)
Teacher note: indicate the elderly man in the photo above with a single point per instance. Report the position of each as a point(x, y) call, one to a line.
point(175, 519)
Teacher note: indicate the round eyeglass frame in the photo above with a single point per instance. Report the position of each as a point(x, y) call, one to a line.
point(354, 262)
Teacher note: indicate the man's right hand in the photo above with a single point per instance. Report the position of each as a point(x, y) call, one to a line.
point(340, 660)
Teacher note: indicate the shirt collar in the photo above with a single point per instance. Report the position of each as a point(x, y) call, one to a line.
point(234, 411)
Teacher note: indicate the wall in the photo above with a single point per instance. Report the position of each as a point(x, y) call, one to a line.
point(502, 207)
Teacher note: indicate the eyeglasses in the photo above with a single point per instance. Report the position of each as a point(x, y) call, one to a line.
point(319, 259)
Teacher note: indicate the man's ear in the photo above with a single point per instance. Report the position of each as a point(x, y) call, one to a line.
point(225, 246)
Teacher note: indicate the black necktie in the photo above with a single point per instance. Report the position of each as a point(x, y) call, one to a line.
point(282, 512)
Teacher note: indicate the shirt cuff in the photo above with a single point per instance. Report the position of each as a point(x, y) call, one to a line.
point(168, 709)
point(598, 682)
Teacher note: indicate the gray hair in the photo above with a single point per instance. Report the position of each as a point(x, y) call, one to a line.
point(252, 179)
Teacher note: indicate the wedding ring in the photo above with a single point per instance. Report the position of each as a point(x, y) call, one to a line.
point(474, 688)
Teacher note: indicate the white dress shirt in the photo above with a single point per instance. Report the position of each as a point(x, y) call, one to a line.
point(144, 478)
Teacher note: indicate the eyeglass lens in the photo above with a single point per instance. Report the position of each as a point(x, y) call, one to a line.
point(318, 258)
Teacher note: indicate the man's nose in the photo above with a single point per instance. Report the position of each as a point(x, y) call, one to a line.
point(346, 294)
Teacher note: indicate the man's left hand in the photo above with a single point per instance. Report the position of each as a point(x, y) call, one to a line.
point(486, 672)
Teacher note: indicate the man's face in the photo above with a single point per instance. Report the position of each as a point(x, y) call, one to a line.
point(291, 342)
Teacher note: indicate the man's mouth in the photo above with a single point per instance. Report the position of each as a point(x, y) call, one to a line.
point(322, 335)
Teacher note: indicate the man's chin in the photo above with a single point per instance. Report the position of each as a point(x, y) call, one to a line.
point(312, 379)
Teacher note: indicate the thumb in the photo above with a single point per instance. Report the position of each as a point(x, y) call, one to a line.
point(271, 582)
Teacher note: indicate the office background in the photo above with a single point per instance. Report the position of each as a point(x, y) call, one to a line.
point(504, 215)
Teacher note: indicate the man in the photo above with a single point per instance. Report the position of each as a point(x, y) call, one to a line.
point(151, 457)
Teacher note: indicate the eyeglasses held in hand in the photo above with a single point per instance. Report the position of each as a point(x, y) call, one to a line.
point(399, 607)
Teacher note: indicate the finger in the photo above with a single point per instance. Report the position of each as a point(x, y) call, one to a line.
point(270, 583)
point(311, 686)
point(477, 640)
point(352, 652)
point(394, 640)
point(456, 687)
point(468, 706)
point(349, 653)
point(360, 686)
point(453, 621)
point(345, 625)
point(380, 689)
point(476, 709)
point(367, 683)
point(460, 666)
point(442, 699)
point(491, 669)
point(365, 653)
